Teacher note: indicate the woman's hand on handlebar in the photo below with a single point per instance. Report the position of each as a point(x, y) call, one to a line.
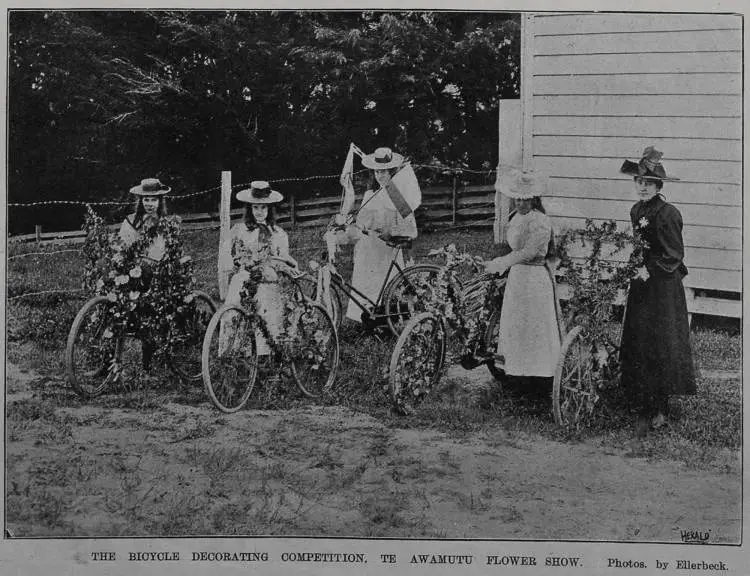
point(496, 266)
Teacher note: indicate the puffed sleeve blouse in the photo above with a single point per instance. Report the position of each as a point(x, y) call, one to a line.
point(528, 236)
point(242, 241)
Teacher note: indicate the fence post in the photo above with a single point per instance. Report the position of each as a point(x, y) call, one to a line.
point(224, 260)
point(293, 210)
point(454, 201)
point(38, 232)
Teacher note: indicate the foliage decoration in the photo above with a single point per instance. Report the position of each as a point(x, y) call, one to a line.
point(300, 336)
point(598, 263)
point(464, 309)
point(151, 299)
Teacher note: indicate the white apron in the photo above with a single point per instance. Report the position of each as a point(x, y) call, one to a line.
point(529, 334)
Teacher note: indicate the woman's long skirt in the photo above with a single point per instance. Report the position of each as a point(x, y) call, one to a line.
point(270, 304)
point(529, 333)
point(656, 358)
point(372, 259)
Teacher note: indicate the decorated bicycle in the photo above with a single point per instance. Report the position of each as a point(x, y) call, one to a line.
point(382, 290)
point(267, 323)
point(145, 303)
point(461, 325)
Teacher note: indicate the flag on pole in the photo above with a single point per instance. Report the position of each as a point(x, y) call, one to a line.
point(403, 190)
point(346, 179)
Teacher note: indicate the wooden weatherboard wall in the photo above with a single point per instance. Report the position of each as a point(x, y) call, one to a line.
point(601, 87)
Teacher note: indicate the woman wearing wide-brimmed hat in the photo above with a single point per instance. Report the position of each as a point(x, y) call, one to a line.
point(150, 207)
point(251, 243)
point(377, 220)
point(529, 337)
point(656, 358)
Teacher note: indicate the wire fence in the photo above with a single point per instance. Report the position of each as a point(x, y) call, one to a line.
point(437, 168)
point(453, 206)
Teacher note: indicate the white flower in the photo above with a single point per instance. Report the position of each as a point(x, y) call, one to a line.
point(136, 272)
point(112, 297)
point(641, 273)
point(602, 355)
point(99, 284)
point(188, 299)
point(134, 294)
point(108, 333)
point(643, 222)
point(117, 258)
point(121, 279)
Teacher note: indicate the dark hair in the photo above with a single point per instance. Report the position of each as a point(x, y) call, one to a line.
point(250, 219)
point(536, 204)
point(372, 181)
point(140, 211)
point(658, 183)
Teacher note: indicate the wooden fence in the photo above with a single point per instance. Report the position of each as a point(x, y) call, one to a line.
point(443, 206)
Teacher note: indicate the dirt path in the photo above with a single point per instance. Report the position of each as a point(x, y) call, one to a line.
point(180, 469)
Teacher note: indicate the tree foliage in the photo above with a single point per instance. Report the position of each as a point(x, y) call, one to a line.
point(99, 100)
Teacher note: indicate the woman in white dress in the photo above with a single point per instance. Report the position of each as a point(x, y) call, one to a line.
point(376, 222)
point(250, 246)
point(529, 336)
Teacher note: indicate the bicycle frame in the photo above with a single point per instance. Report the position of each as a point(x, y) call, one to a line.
point(349, 289)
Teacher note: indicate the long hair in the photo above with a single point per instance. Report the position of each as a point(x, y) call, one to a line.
point(140, 211)
point(536, 204)
point(252, 224)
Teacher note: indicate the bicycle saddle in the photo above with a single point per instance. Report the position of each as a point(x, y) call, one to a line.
point(399, 241)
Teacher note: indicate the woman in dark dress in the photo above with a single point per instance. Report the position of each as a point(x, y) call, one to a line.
point(656, 358)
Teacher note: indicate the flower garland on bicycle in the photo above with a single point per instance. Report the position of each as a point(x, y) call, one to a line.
point(255, 250)
point(142, 270)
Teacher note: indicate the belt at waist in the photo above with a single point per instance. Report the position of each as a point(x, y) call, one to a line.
point(535, 262)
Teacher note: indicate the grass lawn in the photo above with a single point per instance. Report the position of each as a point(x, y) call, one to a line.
point(711, 420)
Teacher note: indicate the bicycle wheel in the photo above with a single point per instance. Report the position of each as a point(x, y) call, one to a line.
point(90, 353)
point(417, 361)
point(229, 358)
point(309, 287)
point(491, 337)
point(404, 296)
point(187, 337)
point(314, 350)
point(574, 389)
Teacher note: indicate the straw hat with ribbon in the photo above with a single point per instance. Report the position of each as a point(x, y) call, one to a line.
point(382, 159)
point(150, 187)
point(259, 193)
